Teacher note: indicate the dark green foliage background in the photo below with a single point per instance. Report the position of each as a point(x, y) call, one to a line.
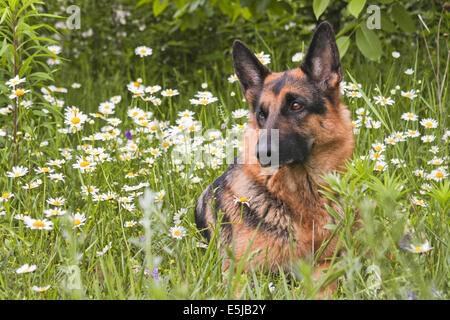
point(188, 35)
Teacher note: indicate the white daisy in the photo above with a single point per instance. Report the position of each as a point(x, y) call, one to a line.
point(143, 51)
point(177, 232)
point(26, 268)
point(17, 171)
point(41, 224)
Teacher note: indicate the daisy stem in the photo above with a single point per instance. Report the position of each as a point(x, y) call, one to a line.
point(143, 70)
point(15, 131)
point(204, 113)
point(159, 111)
point(16, 72)
point(171, 111)
point(123, 231)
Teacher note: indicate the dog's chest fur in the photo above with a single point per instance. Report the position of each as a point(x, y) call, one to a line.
point(283, 219)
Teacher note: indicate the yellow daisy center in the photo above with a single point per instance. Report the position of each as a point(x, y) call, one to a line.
point(84, 164)
point(38, 224)
point(439, 174)
point(75, 120)
point(76, 222)
point(19, 92)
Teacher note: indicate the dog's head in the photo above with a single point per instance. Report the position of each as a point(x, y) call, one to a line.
point(298, 111)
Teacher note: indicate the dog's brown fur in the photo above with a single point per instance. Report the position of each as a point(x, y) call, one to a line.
point(285, 205)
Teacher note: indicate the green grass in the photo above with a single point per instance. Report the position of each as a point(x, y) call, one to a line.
point(372, 266)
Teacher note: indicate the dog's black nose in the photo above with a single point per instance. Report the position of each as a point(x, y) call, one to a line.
point(267, 150)
point(263, 153)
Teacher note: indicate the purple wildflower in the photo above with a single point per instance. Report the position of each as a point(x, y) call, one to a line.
point(404, 241)
point(411, 296)
point(155, 274)
point(128, 134)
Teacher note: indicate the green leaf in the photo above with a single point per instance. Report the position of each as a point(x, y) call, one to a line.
point(142, 2)
point(387, 25)
point(246, 13)
point(180, 3)
point(262, 5)
point(159, 6)
point(41, 114)
point(246, 3)
point(226, 8)
point(236, 13)
point(24, 68)
point(4, 47)
point(368, 43)
point(5, 14)
point(319, 7)
point(343, 43)
point(346, 27)
point(277, 9)
point(355, 7)
point(401, 16)
point(41, 76)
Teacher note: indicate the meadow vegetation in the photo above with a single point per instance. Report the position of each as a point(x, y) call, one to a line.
point(110, 132)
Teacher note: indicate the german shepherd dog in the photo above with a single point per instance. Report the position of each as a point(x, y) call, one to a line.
point(283, 214)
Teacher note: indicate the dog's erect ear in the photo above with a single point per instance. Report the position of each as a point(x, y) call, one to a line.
point(250, 71)
point(322, 62)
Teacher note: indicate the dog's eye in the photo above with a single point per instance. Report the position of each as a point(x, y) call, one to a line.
point(296, 106)
point(261, 115)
